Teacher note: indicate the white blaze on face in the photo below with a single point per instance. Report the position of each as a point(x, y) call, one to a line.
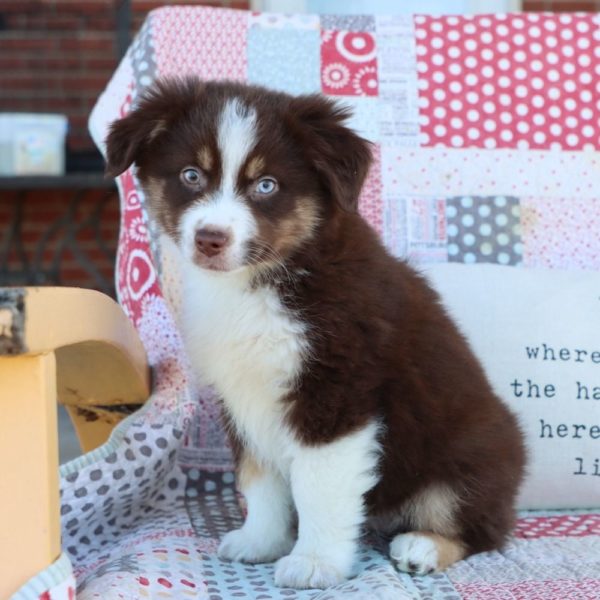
point(225, 209)
point(236, 137)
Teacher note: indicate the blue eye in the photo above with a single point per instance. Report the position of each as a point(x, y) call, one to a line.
point(191, 176)
point(266, 186)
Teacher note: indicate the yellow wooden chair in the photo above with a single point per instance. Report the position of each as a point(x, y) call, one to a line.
point(71, 345)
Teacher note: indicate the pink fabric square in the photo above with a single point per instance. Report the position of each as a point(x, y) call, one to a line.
point(370, 203)
point(558, 589)
point(561, 233)
point(509, 81)
point(348, 63)
point(209, 43)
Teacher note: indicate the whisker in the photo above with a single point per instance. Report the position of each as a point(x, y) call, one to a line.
point(269, 254)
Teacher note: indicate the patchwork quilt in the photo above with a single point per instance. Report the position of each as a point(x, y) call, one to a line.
point(486, 132)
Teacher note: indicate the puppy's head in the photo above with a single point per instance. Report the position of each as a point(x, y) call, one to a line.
point(239, 176)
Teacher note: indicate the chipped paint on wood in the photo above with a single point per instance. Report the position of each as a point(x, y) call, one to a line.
point(12, 321)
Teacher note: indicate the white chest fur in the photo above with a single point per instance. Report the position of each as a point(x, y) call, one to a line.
point(246, 344)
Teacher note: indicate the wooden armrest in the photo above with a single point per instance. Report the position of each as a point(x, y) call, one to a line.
point(89, 331)
point(101, 367)
point(69, 344)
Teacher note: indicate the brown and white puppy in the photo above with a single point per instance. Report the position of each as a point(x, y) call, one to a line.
point(351, 397)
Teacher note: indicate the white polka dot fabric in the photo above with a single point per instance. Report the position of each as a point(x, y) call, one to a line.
point(484, 230)
point(509, 81)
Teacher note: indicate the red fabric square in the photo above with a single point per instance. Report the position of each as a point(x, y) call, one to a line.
point(136, 275)
point(348, 63)
point(509, 81)
point(558, 526)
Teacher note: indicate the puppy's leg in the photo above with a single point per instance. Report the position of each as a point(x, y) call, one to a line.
point(328, 485)
point(421, 552)
point(267, 532)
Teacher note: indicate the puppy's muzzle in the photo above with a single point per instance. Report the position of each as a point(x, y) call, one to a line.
point(212, 241)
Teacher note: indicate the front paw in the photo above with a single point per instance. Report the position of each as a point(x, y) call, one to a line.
point(239, 545)
point(301, 571)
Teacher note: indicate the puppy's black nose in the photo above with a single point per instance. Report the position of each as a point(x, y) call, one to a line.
point(211, 241)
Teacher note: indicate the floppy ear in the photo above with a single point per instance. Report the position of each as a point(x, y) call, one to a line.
point(159, 106)
point(340, 156)
point(125, 140)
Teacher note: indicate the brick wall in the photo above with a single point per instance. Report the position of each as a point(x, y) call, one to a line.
point(59, 237)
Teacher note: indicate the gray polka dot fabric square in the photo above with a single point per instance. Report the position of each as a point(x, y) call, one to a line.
point(484, 229)
point(143, 59)
point(348, 22)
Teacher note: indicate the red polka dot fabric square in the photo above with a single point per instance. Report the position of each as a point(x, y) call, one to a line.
point(348, 63)
point(509, 81)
